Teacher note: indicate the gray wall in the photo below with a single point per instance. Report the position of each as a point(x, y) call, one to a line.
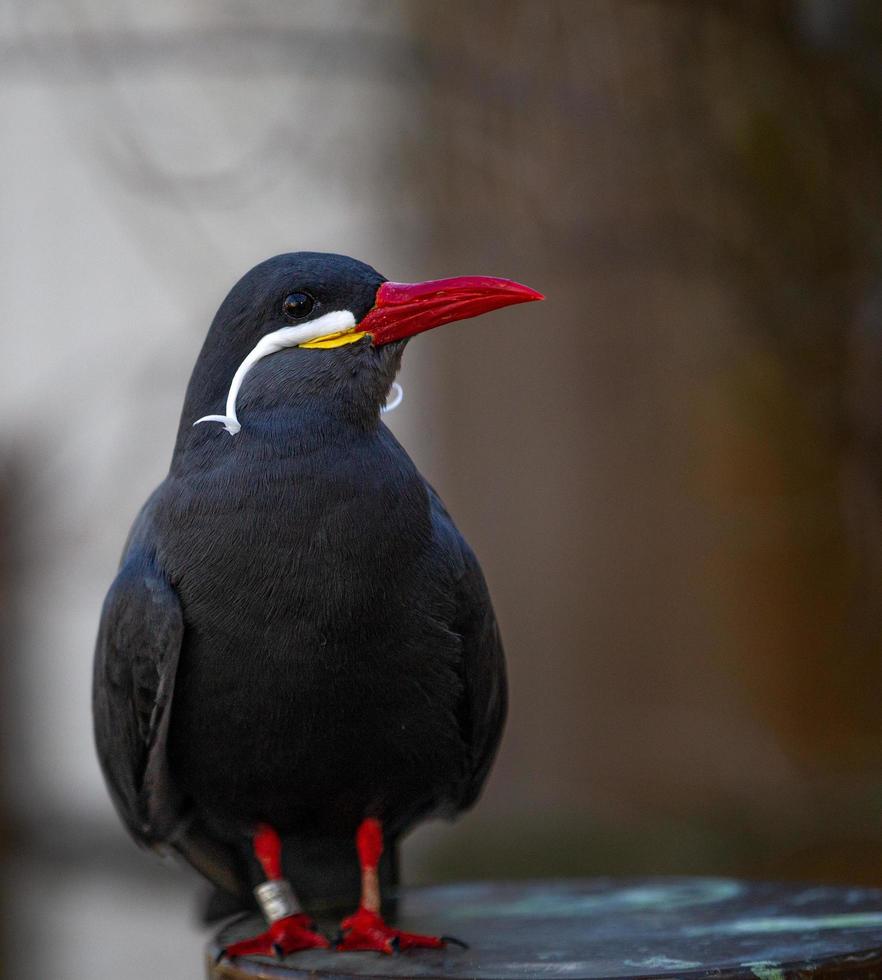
point(670, 470)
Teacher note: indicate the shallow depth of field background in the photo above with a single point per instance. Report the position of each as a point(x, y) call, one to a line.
point(671, 470)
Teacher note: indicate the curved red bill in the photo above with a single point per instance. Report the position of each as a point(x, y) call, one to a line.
point(403, 309)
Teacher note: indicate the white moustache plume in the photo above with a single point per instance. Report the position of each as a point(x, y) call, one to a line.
point(337, 321)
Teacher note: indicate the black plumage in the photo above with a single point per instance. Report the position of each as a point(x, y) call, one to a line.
point(298, 634)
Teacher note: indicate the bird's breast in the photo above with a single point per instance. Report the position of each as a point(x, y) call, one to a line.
point(314, 637)
point(316, 536)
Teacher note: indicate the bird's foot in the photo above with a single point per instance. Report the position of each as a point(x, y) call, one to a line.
point(365, 930)
point(288, 935)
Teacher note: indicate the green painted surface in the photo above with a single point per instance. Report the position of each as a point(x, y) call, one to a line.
point(763, 970)
point(790, 923)
point(563, 904)
point(632, 929)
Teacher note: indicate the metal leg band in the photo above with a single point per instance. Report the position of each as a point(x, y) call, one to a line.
point(276, 899)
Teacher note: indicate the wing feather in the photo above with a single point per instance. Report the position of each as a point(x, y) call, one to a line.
point(485, 688)
point(136, 659)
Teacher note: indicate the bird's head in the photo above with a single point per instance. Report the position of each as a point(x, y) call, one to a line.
point(338, 320)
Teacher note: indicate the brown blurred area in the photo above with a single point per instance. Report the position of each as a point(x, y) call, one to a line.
point(671, 470)
point(675, 482)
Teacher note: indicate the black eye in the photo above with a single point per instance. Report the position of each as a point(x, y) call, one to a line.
point(297, 305)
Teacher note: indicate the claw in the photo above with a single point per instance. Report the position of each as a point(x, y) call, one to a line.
point(455, 941)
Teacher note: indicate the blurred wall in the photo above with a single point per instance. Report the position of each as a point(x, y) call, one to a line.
point(153, 153)
point(670, 470)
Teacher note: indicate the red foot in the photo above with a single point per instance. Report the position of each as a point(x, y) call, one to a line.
point(288, 935)
point(367, 931)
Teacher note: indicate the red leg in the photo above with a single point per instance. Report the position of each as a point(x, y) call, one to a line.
point(365, 929)
point(290, 930)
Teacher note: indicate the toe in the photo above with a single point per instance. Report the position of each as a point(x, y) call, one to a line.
point(412, 940)
point(253, 946)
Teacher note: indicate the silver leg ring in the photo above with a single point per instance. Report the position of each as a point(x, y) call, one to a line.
point(276, 899)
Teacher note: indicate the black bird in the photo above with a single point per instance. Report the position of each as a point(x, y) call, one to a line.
point(298, 659)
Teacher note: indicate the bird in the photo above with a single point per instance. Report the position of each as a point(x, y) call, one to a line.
point(298, 659)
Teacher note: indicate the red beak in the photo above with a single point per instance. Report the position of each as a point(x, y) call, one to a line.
point(403, 309)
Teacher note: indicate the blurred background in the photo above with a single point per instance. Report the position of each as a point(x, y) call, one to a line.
point(671, 470)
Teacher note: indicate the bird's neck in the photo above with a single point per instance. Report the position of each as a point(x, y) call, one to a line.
point(272, 432)
point(280, 412)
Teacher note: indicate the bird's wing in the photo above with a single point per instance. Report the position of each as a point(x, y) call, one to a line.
point(485, 691)
point(136, 658)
